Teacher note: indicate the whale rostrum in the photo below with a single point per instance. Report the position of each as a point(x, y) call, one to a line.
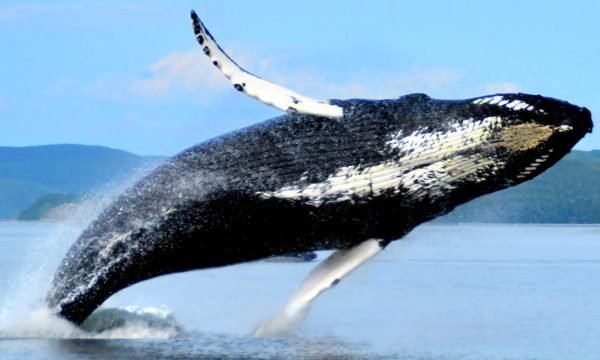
point(345, 175)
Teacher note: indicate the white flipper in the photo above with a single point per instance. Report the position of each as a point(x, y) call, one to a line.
point(265, 91)
point(327, 274)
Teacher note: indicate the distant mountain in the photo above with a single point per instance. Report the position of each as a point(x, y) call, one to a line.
point(568, 192)
point(29, 173)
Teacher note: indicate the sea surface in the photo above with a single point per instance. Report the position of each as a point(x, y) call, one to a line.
point(467, 291)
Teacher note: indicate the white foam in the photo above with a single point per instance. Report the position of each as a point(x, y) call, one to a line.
point(40, 323)
point(112, 323)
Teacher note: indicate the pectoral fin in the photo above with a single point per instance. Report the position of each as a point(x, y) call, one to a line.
point(252, 85)
point(327, 274)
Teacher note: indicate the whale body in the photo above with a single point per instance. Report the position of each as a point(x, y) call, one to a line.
point(303, 183)
point(349, 175)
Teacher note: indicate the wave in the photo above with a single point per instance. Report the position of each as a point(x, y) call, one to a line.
point(110, 323)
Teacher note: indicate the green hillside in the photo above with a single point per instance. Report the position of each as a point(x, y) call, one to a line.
point(29, 173)
point(569, 192)
point(18, 194)
point(42, 206)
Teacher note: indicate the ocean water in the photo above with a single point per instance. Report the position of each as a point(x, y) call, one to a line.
point(463, 291)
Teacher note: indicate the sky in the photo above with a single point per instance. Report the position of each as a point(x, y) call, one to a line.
point(130, 75)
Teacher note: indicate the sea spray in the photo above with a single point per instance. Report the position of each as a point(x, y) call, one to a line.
point(27, 288)
point(22, 309)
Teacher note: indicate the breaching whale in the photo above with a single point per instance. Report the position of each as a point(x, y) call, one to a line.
point(346, 175)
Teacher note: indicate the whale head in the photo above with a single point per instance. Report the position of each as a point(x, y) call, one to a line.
point(530, 133)
point(451, 151)
point(489, 142)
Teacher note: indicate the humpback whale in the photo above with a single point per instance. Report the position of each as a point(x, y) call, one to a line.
point(345, 175)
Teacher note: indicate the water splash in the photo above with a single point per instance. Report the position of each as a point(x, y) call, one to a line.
point(26, 290)
point(111, 323)
point(283, 324)
point(23, 313)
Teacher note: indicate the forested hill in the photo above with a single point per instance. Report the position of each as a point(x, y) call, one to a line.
point(29, 173)
point(569, 192)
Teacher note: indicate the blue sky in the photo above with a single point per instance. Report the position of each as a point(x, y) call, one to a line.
point(130, 75)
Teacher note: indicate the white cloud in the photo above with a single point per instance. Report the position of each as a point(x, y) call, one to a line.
point(191, 72)
point(506, 87)
point(187, 71)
